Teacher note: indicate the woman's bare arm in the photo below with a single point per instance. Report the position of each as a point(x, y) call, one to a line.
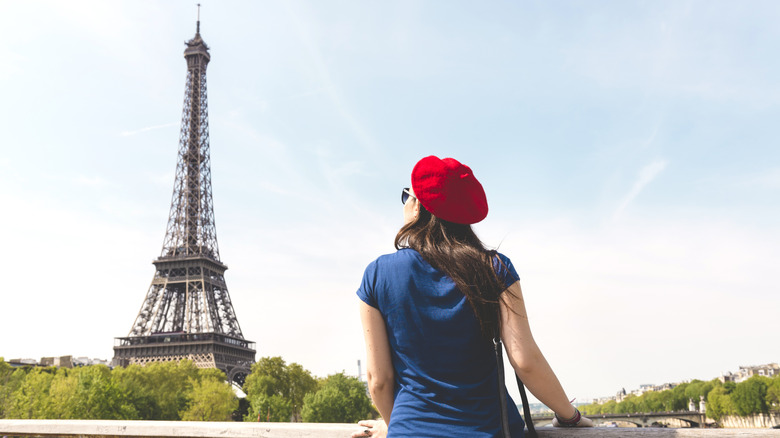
point(379, 367)
point(526, 357)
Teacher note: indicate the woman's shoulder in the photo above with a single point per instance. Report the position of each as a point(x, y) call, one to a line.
point(504, 258)
point(505, 269)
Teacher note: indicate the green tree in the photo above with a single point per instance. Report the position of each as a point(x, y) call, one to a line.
point(31, 399)
point(5, 372)
point(750, 396)
point(211, 399)
point(609, 407)
point(340, 399)
point(158, 391)
point(96, 396)
point(773, 395)
point(266, 388)
point(719, 403)
point(666, 399)
point(10, 380)
point(590, 409)
point(276, 390)
point(301, 383)
point(679, 400)
point(62, 393)
point(274, 408)
point(628, 405)
point(697, 389)
point(81, 393)
point(652, 402)
point(134, 381)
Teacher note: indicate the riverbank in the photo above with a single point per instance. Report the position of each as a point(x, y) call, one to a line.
point(755, 421)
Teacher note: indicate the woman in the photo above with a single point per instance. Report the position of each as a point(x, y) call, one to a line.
point(430, 311)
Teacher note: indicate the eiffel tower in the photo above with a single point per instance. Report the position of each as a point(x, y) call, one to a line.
point(187, 313)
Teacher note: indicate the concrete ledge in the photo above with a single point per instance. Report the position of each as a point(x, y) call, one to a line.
point(194, 429)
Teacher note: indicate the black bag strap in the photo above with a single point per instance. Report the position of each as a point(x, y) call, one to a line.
point(526, 408)
point(501, 387)
point(497, 346)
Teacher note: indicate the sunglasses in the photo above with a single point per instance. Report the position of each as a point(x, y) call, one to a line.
point(405, 195)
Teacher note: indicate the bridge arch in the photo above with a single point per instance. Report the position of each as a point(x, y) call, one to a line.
point(238, 375)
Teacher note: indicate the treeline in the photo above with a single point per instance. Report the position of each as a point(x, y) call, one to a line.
point(276, 391)
point(755, 395)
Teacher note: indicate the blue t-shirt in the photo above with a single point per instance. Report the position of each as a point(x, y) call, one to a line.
point(445, 371)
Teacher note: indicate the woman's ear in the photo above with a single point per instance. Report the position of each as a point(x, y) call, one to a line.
point(416, 208)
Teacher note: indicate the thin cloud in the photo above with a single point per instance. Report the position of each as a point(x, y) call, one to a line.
point(646, 175)
point(365, 138)
point(148, 128)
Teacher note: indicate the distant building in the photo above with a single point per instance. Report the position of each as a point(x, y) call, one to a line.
point(746, 372)
point(646, 387)
point(59, 362)
point(643, 389)
point(22, 362)
point(62, 361)
point(84, 361)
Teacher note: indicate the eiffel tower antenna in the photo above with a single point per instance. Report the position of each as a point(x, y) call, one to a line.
point(187, 312)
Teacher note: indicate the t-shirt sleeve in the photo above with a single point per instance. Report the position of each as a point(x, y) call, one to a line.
point(505, 270)
point(366, 291)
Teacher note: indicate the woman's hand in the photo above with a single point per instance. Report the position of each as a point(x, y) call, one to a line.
point(584, 422)
point(371, 428)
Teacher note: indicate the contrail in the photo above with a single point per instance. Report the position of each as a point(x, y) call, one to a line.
point(646, 175)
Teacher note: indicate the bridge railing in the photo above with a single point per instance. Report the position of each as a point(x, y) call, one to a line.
point(642, 419)
point(192, 429)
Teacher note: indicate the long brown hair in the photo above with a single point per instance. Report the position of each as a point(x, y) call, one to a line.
point(455, 250)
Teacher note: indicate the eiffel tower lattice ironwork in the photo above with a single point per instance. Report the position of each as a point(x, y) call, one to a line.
point(187, 313)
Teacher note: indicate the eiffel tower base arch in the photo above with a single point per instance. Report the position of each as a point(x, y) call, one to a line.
point(234, 356)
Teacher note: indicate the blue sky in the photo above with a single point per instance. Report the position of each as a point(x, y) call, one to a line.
point(629, 151)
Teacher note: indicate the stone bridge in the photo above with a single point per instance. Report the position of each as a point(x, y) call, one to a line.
point(641, 419)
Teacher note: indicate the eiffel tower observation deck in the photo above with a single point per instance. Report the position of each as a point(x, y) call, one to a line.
point(187, 312)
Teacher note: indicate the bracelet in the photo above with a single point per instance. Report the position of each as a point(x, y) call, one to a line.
point(571, 422)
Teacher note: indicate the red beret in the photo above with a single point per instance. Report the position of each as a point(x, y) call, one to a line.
point(449, 190)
